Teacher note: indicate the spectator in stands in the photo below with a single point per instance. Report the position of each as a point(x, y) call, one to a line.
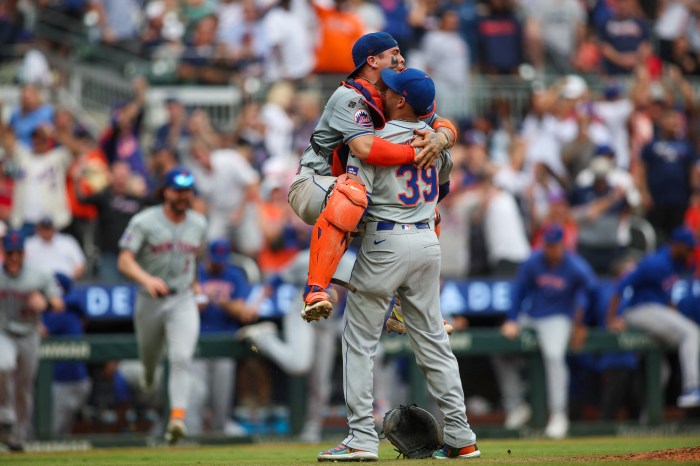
point(600, 210)
point(229, 185)
point(203, 59)
point(71, 383)
point(559, 213)
point(115, 205)
point(40, 177)
point(553, 31)
point(90, 170)
point(650, 308)
point(163, 159)
point(499, 38)
point(667, 175)
point(616, 176)
point(122, 140)
point(174, 132)
point(279, 227)
point(56, 252)
point(625, 38)
point(290, 41)
point(615, 110)
point(557, 285)
point(539, 128)
point(223, 310)
point(249, 130)
point(27, 292)
point(338, 29)
point(30, 115)
point(119, 22)
point(446, 57)
point(307, 111)
point(276, 117)
point(13, 27)
point(504, 233)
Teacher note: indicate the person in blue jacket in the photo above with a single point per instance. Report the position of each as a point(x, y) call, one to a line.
point(71, 383)
point(223, 310)
point(650, 308)
point(549, 295)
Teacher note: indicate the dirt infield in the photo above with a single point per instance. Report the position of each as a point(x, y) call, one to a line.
point(675, 454)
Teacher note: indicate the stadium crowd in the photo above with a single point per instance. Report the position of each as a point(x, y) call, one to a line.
point(614, 166)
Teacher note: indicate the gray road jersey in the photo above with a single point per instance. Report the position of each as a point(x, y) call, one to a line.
point(164, 249)
point(15, 315)
point(345, 117)
point(402, 193)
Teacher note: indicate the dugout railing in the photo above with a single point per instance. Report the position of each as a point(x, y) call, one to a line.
point(473, 342)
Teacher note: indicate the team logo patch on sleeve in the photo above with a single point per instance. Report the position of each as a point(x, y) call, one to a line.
point(352, 170)
point(363, 118)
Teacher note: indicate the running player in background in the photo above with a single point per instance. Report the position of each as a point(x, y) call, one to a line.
point(25, 293)
point(400, 254)
point(159, 251)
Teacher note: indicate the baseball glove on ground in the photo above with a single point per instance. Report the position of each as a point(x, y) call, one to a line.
point(413, 431)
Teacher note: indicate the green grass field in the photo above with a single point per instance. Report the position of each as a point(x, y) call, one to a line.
point(516, 451)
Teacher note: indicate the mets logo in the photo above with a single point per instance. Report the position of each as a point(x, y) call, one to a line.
point(353, 170)
point(362, 118)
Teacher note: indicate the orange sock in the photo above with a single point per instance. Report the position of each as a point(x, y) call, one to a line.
point(177, 413)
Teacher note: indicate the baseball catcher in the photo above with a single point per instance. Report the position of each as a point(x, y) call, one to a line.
point(413, 431)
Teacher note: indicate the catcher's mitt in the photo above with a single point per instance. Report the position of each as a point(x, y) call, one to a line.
point(413, 431)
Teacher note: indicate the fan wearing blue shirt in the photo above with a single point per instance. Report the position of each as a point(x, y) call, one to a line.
point(223, 309)
point(650, 308)
point(549, 294)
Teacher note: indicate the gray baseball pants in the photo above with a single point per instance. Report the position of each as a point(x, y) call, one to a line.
point(553, 334)
point(19, 360)
point(307, 194)
point(172, 321)
point(406, 262)
point(68, 398)
point(212, 386)
point(673, 328)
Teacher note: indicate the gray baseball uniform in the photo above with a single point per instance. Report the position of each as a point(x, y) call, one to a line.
point(400, 253)
point(345, 117)
point(168, 251)
point(19, 345)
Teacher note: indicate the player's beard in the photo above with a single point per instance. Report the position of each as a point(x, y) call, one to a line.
point(179, 206)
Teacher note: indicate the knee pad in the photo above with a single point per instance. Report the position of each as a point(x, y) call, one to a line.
point(347, 203)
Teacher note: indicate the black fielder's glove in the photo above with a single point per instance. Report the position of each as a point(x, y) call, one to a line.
point(413, 431)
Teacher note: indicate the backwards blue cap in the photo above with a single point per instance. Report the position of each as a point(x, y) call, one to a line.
point(413, 85)
point(683, 235)
point(553, 234)
point(219, 251)
point(369, 45)
point(179, 178)
point(13, 241)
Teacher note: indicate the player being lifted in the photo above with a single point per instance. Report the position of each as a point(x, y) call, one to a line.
point(159, 251)
point(335, 205)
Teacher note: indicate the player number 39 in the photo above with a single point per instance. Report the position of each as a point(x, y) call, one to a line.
point(419, 182)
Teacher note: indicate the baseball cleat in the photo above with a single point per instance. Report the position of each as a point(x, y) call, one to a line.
point(175, 431)
point(557, 427)
point(689, 399)
point(345, 453)
point(447, 452)
point(317, 305)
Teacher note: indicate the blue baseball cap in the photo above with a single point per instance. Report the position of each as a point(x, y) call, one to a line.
point(13, 241)
point(369, 45)
point(605, 149)
point(553, 234)
point(683, 235)
point(179, 178)
point(413, 85)
point(64, 281)
point(219, 251)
